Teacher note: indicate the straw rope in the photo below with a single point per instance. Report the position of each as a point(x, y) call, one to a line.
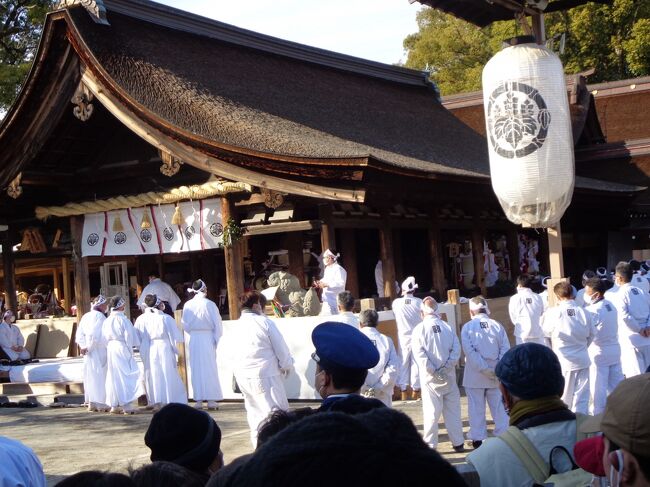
point(196, 192)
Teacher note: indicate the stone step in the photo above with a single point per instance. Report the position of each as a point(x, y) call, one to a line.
point(40, 388)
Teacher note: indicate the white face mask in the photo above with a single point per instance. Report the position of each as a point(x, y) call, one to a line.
point(615, 475)
point(588, 299)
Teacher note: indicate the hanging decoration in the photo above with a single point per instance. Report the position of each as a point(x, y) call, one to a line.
point(529, 134)
point(146, 222)
point(232, 233)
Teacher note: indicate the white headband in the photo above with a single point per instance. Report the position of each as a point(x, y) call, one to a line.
point(473, 306)
point(409, 285)
point(428, 310)
point(329, 253)
point(544, 279)
point(99, 300)
point(119, 304)
point(202, 289)
point(601, 272)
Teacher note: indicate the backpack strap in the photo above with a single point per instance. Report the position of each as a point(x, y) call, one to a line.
point(522, 447)
point(580, 419)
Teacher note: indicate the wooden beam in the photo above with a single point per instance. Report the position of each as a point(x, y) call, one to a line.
point(293, 242)
point(437, 260)
point(81, 282)
point(349, 253)
point(234, 264)
point(67, 291)
point(555, 255)
point(300, 226)
point(387, 260)
point(9, 269)
point(327, 235)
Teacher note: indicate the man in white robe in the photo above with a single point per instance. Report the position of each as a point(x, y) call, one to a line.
point(160, 334)
point(380, 380)
point(407, 311)
point(332, 283)
point(605, 371)
point(345, 304)
point(164, 292)
point(580, 295)
point(261, 361)
point(122, 372)
point(484, 343)
point(437, 350)
point(633, 310)
point(12, 341)
point(93, 348)
point(202, 323)
point(571, 330)
point(526, 309)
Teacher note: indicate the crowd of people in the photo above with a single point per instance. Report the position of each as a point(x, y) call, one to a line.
point(570, 359)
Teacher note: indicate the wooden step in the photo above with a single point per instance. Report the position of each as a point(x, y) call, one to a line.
point(41, 388)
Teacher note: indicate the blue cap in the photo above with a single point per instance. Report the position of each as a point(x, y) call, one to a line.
point(343, 346)
point(530, 371)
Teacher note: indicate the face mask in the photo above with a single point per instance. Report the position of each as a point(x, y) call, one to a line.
point(320, 387)
point(614, 474)
point(588, 299)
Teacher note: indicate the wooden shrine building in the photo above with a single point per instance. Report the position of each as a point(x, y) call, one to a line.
point(307, 149)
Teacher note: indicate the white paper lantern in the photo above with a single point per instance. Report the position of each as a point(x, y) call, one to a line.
point(529, 134)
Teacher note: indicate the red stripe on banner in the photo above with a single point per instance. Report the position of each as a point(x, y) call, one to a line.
point(155, 225)
point(105, 233)
point(128, 212)
point(201, 220)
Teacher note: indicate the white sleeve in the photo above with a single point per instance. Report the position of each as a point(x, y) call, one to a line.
point(218, 326)
point(285, 360)
point(392, 366)
point(455, 351)
point(512, 309)
point(472, 354)
point(504, 343)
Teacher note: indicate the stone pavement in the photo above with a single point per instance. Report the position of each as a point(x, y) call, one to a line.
point(68, 440)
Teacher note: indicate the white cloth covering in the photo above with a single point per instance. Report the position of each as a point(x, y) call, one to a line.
point(484, 343)
point(633, 310)
point(19, 465)
point(407, 315)
point(162, 290)
point(89, 337)
point(381, 378)
point(10, 336)
point(262, 356)
point(122, 372)
point(526, 309)
point(202, 322)
point(160, 336)
point(335, 277)
point(437, 350)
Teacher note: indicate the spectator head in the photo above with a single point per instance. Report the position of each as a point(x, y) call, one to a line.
point(478, 305)
point(343, 356)
point(369, 317)
point(524, 280)
point(586, 275)
point(253, 301)
point(345, 301)
point(279, 420)
point(409, 286)
point(150, 300)
point(185, 436)
point(166, 474)
point(563, 291)
point(117, 303)
point(95, 478)
point(529, 371)
point(381, 447)
point(623, 273)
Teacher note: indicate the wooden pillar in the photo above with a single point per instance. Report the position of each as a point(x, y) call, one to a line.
point(327, 231)
point(67, 291)
point(195, 267)
point(182, 360)
point(555, 260)
point(387, 259)
point(294, 244)
point(9, 268)
point(437, 259)
point(234, 264)
point(477, 246)
point(81, 282)
point(349, 253)
point(397, 256)
point(513, 252)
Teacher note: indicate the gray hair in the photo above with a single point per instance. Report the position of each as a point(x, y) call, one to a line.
point(369, 317)
point(345, 300)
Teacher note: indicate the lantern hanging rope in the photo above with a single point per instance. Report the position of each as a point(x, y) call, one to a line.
point(202, 191)
point(530, 140)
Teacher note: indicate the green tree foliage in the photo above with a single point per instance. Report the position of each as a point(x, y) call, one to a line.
point(21, 22)
point(613, 39)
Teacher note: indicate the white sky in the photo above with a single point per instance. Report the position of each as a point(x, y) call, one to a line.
point(371, 29)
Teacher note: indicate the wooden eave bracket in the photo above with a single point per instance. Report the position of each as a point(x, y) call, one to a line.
point(14, 189)
point(82, 99)
point(95, 8)
point(170, 164)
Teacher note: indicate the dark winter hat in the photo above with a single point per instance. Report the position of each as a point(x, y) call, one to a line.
point(183, 435)
point(530, 371)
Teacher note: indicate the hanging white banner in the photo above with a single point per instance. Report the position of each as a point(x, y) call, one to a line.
point(94, 235)
point(148, 236)
point(121, 236)
point(212, 223)
point(171, 237)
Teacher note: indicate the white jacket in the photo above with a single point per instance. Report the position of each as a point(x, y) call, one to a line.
point(571, 329)
point(605, 349)
point(633, 310)
point(435, 346)
point(526, 309)
point(484, 342)
point(407, 315)
point(384, 374)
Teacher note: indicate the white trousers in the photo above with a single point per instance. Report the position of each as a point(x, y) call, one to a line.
point(576, 390)
point(634, 360)
point(408, 372)
point(261, 397)
point(476, 399)
point(602, 381)
point(441, 401)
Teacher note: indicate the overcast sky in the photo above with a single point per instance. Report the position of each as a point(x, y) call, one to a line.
point(371, 29)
